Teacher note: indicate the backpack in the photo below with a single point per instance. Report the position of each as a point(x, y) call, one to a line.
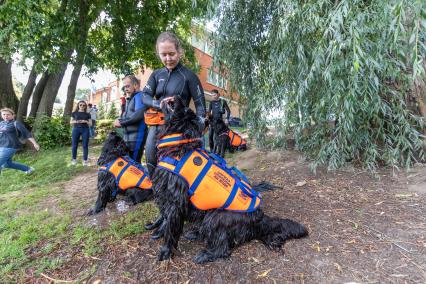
point(23, 141)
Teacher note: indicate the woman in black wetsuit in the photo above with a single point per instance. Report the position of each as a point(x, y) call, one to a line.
point(173, 79)
point(163, 84)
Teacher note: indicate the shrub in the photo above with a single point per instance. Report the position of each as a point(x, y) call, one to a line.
point(103, 127)
point(51, 132)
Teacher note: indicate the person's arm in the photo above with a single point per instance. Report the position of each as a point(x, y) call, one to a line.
point(209, 112)
point(35, 144)
point(149, 91)
point(227, 109)
point(197, 94)
point(137, 116)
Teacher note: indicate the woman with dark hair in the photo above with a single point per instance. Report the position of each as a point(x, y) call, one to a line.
point(80, 121)
point(173, 79)
point(11, 134)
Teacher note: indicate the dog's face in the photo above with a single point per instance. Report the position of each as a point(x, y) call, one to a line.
point(182, 120)
point(219, 126)
point(114, 147)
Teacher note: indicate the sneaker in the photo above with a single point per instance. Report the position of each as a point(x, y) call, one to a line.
point(85, 163)
point(30, 171)
point(73, 162)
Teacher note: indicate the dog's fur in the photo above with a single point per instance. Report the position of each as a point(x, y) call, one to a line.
point(114, 147)
point(220, 230)
point(222, 142)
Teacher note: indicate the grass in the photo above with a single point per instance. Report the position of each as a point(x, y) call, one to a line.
point(37, 220)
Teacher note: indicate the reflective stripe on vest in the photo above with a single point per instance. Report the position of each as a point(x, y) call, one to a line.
point(211, 184)
point(127, 173)
point(173, 140)
point(236, 139)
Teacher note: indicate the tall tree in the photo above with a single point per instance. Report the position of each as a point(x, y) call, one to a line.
point(28, 90)
point(7, 94)
point(311, 62)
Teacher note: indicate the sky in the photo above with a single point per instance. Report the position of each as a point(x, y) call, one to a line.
point(102, 78)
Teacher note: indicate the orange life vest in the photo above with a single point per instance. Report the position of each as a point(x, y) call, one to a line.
point(236, 139)
point(154, 117)
point(211, 184)
point(127, 173)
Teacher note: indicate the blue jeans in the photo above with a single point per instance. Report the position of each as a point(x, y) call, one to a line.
point(6, 155)
point(84, 133)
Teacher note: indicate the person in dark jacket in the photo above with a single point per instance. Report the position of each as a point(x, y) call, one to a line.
point(173, 79)
point(132, 120)
point(217, 109)
point(81, 121)
point(11, 134)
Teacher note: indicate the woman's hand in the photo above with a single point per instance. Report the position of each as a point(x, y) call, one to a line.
point(166, 101)
point(117, 123)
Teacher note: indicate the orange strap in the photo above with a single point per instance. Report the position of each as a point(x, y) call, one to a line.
point(154, 117)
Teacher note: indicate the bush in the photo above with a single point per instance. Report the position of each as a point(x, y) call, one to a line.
point(51, 132)
point(103, 127)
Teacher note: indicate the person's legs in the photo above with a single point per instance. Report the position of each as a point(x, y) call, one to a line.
point(85, 138)
point(151, 150)
point(75, 137)
point(211, 138)
point(6, 155)
point(137, 152)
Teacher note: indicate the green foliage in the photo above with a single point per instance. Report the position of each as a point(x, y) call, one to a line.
point(299, 64)
point(101, 111)
point(112, 112)
point(52, 132)
point(81, 94)
point(103, 127)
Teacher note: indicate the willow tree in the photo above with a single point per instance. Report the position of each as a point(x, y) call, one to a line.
point(304, 64)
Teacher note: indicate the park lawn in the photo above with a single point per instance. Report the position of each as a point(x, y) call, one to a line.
point(38, 219)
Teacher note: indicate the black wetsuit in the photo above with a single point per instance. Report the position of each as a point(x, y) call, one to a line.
point(163, 84)
point(217, 109)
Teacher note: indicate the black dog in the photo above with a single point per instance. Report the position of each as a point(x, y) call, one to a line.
point(114, 149)
point(221, 230)
point(222, 139)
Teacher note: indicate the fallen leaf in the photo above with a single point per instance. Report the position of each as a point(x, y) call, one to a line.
point(378, 203)
point(301, 183)
point(404, 195)
point(97, 281)
point(351, 242)
point(338, 267)
point(264, 273)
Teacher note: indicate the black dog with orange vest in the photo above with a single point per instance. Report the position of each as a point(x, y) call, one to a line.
point(189, 180)
point(119, 174)
point(226, 139)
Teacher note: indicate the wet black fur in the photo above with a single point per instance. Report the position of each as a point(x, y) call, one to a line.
point(222, 142)
point(113, 148)
point(220, 230)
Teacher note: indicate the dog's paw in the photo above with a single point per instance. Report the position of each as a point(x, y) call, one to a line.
point(203, 257)
point(192, 235)
point(165, 253)
point(157, 234)
point(91, 212)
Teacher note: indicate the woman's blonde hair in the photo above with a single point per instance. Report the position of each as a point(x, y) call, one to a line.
point(8, 110)
point(169, 36)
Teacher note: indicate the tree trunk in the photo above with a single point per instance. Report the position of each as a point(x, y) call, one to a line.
point(51, 91)
point(7, 93)
point(38, 92)
point(29, 87)
point(71, 90)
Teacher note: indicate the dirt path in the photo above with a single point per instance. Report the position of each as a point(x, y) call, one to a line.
point(362, 230)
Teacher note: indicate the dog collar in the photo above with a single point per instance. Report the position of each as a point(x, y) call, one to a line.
point(174, 139)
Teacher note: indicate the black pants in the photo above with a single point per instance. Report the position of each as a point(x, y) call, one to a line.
point(151, 148)
point(138, 148)
point(211, 137)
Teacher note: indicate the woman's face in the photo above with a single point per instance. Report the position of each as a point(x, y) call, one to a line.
point(82, 106)
point(168, 54)
point(7, 116)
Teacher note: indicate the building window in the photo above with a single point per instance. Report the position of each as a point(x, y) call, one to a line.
point(203, 45)
point(216, 79)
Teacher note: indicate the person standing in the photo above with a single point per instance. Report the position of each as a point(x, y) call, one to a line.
point(11, 132)
point(132, 119)
point(80, 121)
point(93, 116)
point(163, 84)
point(217, 109)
